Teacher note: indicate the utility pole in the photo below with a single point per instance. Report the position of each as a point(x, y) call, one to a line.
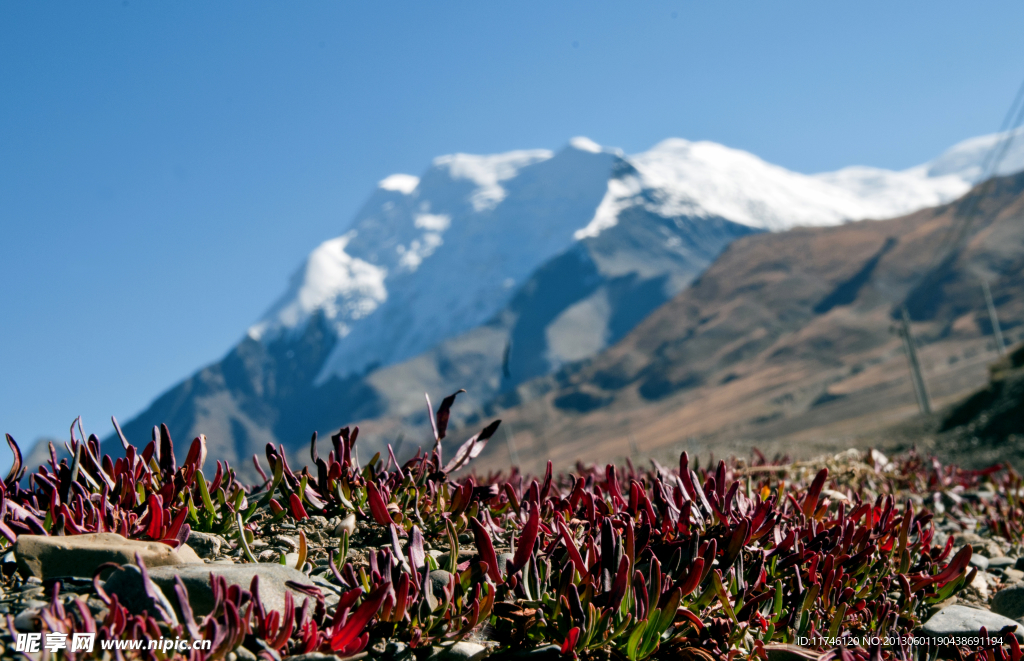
point(994, 318)
point(920, 390)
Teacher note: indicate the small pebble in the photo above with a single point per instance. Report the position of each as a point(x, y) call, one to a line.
point(282, 540)
point(348, 524)
point(1001, 562)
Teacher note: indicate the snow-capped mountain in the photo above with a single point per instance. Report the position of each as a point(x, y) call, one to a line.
point(429, 257)
point(488, 270)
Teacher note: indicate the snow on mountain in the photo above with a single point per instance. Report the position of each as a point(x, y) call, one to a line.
point(704, 179)
point(966, 159)
point(430, 257)
point(345, 288)
point(487, 172)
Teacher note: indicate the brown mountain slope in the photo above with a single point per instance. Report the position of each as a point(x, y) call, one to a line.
point(786, 342)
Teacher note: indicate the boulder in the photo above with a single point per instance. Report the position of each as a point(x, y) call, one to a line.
point(196, 578)
point(80, 555)
point(1009, 602)
point(964, 621)
point(135, 595)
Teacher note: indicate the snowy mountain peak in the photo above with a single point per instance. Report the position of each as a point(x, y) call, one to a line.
point(584, 143)
point(432, 256)
point(709, 179)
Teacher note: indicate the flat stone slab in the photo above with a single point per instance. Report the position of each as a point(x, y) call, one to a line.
point(964, 621)
point(196, 578)
point(80, 555)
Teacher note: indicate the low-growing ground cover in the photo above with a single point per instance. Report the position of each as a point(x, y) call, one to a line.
point(842, 557)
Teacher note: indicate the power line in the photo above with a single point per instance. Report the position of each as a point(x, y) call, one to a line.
point(957, 231)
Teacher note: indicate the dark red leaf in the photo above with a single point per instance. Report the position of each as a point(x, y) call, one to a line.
point(352, 630)
point(378, 508)
point(524, 546)
point(444, 411)
point(811, 499)
point(570, 640)
point(486, 549)
point(156, 518)
point(167, 463)
point(298, 511)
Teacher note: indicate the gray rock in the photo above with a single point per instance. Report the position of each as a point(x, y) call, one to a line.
point(439, 579)
point(964, 621)
point(131, 590)
point(1009, 602)
point(542, 653)
point(460, 651)
point(206, 545)
point(80, 555)
point(28, 620)
point(1001, 562)
point(979, 561)
point(197, 581)
point(244, 654)
point(1013, 574)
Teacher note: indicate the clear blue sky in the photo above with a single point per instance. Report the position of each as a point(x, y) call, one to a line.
point(164, 167)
